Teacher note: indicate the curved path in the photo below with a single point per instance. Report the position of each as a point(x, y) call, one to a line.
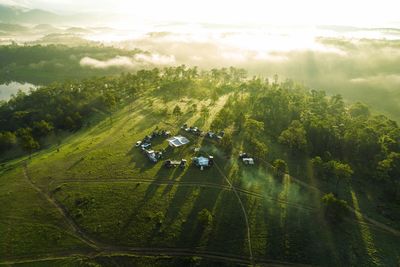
point(370, 221)
point(101, 249)
point(243, 209)
point(172, 252)
point(69, 221)
point(180, 183)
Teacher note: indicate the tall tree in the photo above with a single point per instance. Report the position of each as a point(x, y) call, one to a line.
point(26, 140)
point(280, 167)
point(340, 171)
point(7, 141)
point(335, 209)
point(177, 111)
point(294, 137)
point(253, 128)
point(258, 149)
point(42, 128)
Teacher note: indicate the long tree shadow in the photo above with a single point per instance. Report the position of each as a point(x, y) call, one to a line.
point(364, 234)
point(163, 175)
point(186, 202)
point(132, 217)
point(191, 200)
point(327, 248)
point(225, 210)
point(349, 243)
point(192, 230)
point(229, 224)
point(183, 196)
point(283, 220)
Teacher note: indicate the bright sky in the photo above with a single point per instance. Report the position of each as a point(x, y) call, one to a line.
point(284, 12)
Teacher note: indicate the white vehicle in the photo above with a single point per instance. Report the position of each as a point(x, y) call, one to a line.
point(248, 161)
point(138, 143)
point(145, 145)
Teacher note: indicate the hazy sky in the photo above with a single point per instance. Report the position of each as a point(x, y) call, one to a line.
point(287, 12)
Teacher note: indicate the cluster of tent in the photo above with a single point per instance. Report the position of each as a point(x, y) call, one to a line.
point(178, 141)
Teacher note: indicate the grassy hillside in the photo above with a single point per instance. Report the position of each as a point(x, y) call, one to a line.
point(97, 200)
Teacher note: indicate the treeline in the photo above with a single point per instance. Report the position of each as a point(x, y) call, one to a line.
point(344, 141)
point(26, 120)
point(44, 64)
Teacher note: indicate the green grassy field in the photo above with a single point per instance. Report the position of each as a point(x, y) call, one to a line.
point(97, 200)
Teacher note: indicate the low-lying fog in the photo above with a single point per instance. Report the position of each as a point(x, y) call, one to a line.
point(360, 63)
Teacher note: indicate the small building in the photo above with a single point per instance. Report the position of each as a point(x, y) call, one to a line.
point(178, 141)
point(203, 161)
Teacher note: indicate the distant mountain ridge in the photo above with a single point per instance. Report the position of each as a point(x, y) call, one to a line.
point(14, 14)
point(23, 15)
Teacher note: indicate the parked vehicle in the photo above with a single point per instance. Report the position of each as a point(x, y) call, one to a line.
point(145, 146)
point(175, 163)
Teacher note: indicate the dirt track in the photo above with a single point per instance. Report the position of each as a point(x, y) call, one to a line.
point(100, 249)
point(203, 184)
point(172, 252)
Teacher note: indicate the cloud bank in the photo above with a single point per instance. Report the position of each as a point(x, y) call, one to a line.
point(137, 61)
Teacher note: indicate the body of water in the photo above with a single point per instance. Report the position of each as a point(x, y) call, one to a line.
point(6, 90)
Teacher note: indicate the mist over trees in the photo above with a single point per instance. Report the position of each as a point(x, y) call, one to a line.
point(363, 69)
point(344, 141)
point(44, 64)
point(359, 69)
point(299, 123)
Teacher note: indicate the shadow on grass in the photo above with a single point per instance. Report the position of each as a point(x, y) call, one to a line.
point(200, 122)
point(192, 231)
point(229, 224)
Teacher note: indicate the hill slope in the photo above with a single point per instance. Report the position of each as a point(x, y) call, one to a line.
point(97, 198)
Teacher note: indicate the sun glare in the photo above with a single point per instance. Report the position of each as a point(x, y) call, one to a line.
point(285, 12)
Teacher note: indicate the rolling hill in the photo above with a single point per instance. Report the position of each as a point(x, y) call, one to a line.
point(14, 14)
point(23, 15)
point(97, 199)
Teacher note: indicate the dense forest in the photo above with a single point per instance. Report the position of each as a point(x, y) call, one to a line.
point(342, 140)
point(43, 64)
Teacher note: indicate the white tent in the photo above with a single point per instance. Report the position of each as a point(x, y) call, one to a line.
point(202, 161)
point(178, 141)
